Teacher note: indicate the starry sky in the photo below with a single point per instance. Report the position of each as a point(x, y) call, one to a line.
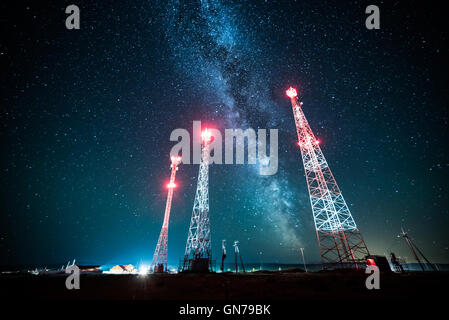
point(86, 117)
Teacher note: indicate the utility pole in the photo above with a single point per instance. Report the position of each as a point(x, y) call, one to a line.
point(223, 254)
point(237, 254)
point(303, 260)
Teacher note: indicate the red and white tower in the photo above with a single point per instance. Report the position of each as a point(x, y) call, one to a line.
point(339, 239)
point(159, 263)
point(198, 254)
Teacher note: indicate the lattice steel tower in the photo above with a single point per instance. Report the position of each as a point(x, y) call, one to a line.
point(159, 263)
point(339, 239)
point(198, 252)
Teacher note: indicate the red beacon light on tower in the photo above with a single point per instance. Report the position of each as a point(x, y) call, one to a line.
point(175, 160)
point(171, 185)
point(206, 135)
point(291, 93)
point(370, 262)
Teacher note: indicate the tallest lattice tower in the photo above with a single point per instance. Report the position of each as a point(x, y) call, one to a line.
point(339, 239)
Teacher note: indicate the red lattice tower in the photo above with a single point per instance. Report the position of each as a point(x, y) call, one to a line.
point(339, 239)
point(159, 263)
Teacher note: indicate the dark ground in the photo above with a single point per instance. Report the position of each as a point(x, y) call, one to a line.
point(275, 286)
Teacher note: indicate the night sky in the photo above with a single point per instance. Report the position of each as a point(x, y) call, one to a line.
point(86, 117)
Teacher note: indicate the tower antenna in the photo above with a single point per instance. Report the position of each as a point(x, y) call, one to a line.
point(159, 263)
point(339, 239)
point(198, 253)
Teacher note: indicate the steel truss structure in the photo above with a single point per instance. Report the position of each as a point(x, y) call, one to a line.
point(198, 253)
point(159, 263)
point(339, 239)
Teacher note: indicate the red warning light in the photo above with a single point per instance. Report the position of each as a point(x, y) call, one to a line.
point(370, 262)
point(206, 135)
point(291, 92)
point(176, 159)
point(317, 141)
point(171, 185)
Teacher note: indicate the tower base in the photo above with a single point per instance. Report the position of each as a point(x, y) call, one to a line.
point(159, 268)
point(342, 249)
point(198, 265)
